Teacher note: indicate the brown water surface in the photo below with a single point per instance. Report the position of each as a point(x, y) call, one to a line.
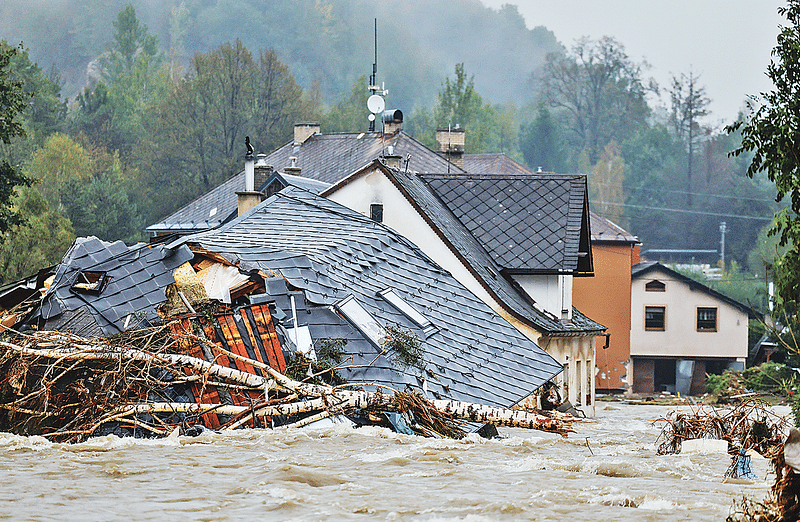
point(607, 471)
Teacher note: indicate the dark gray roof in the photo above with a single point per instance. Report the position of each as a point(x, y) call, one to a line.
point(493, 164)
point(326, 252)
point(483, 266)
point(535, 223)
point(642, 269)
point(137, 277)
point(325, 158)
point(606, 231)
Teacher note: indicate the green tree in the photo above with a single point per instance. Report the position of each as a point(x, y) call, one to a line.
point(600, 90)
point(350, 113)
point(131, 42)
point(606, 183)
point(13, 99)
point(60, 160)
point(542, 143)
point(38, 242)
point(689, 104)
point(771, 132)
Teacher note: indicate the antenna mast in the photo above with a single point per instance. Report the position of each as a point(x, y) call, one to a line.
point(373, 80)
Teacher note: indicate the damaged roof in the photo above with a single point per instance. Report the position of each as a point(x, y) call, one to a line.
point(331, 257)
point(98, 285)
point(322, 159)
point(529, 223)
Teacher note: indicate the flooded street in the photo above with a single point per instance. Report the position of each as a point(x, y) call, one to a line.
point(373, 474)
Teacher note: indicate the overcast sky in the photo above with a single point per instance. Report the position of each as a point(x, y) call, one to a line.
point(726, 42)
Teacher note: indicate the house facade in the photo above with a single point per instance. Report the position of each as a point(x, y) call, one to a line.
point(681, 330)
point(532, 294)
point(606, 298)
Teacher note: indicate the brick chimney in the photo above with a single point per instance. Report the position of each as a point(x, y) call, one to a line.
point(304, 130)
point(451, 145)
point(262, 171)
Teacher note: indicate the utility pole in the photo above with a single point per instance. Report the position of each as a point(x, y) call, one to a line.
point(722, 229)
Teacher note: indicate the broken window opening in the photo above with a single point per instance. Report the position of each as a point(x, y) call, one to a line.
point(407, 309)
point(89, 282)
point(362, 320)
point(376, 212)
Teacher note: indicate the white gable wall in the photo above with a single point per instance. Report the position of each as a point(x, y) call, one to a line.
point(551, 292)
point(680, 337)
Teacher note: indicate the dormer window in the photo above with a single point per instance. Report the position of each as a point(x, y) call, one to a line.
point(89, 282)
point(655, 286)
point(362, 319)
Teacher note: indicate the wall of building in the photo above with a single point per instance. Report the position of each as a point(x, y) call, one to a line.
point(606, 298)
point(551, 292)
point(680, 337)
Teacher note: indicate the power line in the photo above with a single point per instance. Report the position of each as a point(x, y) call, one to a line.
point(680, 192)
point(683, 211)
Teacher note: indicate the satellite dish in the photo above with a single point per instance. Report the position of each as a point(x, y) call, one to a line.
point(375, 104)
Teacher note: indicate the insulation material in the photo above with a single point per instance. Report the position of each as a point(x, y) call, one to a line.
point(218, 280)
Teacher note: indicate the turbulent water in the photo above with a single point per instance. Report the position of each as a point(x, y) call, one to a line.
point(607, 471)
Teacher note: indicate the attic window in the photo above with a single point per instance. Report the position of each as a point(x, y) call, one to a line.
point(362, 320)
point(655, 286)
point(376, 212)
point(410, 312)
point(89, 282)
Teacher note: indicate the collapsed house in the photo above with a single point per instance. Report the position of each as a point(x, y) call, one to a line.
point(297, 290)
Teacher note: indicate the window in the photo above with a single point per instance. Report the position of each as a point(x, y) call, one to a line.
point(409, 311)
point(655, 286)
point(706, 319)
point(89, 282)
point(362, 320)
point(654, 318)
point(376, 212)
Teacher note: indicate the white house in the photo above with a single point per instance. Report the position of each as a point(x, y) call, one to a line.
point(681, 330)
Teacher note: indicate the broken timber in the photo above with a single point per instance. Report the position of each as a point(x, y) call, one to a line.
point(67, 388)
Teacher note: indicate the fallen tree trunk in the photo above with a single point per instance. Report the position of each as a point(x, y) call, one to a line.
point(318, 400)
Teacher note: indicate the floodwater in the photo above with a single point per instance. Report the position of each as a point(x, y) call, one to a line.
point(607, 471)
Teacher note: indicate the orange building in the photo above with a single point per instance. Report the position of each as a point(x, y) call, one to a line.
point(606, 298)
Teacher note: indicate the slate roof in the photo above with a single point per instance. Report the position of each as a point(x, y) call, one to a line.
point(640, 270)
point(606, 231)
point(528, 223)
point(326, 252)
point(325, 158)
point(492, 164)
point(482, 265)
point(220, 205)
point(136, 279)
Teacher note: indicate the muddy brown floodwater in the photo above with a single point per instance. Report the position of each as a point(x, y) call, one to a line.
point(607, 471)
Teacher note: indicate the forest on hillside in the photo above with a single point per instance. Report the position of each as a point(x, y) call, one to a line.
point(141, 106)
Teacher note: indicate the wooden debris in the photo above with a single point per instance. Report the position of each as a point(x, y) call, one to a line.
point(152, 381)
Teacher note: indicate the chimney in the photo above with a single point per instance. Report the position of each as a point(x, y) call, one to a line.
point(262, 171)
point(392, 121)
point(304, 130)
point(390, 159)
point(292, 169)
point(451, 145)
point(249, 198)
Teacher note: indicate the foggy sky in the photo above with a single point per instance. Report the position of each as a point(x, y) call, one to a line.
point(726, 42)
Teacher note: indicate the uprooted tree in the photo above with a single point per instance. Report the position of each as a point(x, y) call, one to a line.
point(68, 388)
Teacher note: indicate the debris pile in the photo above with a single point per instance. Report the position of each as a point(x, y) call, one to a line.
point(749, 425)
point(155, 380)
